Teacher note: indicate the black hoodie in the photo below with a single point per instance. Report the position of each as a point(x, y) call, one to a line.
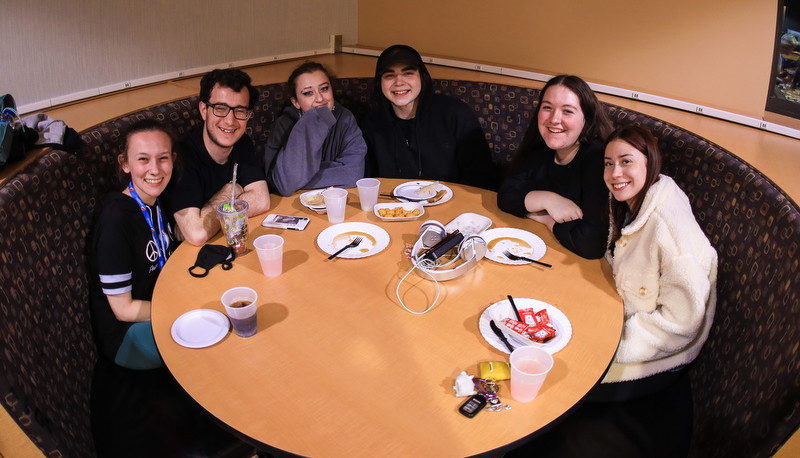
point(444, 141)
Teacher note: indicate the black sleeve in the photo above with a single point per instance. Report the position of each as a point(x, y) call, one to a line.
point(521, 180)
point(475, 164)
point(588, 237)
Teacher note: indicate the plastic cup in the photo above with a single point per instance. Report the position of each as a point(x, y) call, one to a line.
point(241, 306)
point(270, 254)
point(233, 221)
point(335, 203)
point(368, 193)
point(529, 368)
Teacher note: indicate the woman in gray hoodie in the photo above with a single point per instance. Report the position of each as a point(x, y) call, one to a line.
point(315, 143)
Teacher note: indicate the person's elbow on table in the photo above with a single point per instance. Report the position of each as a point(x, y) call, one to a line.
point(257, 197)
point(196, 238)
point(192, 228)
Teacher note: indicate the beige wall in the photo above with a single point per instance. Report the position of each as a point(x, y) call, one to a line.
point(56, 49)
point(711, 52)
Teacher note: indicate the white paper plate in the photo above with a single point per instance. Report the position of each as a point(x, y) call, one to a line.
point(200, 328)
point(517, 241)
point(502, 309)
point(335, 237)
point(408, 190)
point(317, 208)
point(407, 206)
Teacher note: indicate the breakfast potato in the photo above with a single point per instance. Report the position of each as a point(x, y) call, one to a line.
point(399, 211)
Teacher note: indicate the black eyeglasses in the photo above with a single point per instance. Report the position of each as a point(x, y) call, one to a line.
point(221, 110)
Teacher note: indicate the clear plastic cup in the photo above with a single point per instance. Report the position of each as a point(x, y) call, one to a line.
point(335, 203)
point(241, 305)
point(368, 189)
point(529, 368)
point(270, 254)
point(233, 222)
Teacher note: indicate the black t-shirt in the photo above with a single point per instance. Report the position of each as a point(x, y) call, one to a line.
point(201, 177)
point(124, 258)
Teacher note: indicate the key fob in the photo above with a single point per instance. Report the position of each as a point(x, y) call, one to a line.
point(473, 405)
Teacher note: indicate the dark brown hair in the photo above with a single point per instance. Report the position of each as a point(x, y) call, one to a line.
point(232, 78)
point(643, 141)
point(597, 126)
point(146, 125)
point(305, 67)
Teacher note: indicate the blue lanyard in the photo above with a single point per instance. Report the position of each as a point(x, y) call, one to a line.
point(161, 242)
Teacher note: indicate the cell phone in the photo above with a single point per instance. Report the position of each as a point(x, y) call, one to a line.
point(295, 223)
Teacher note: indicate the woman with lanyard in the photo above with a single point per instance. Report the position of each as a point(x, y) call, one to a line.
point(132, 241)
point(137, 408)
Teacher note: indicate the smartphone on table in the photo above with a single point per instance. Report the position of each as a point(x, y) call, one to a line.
point(295, 223)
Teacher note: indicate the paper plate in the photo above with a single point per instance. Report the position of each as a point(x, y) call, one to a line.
point(408, 191)
point(200, 328)
point(502, 309)
point(375, 239)
point(319, 208)
point(517, 241)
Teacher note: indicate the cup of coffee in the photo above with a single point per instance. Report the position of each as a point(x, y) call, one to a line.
point(233, 221)
point(241, 306)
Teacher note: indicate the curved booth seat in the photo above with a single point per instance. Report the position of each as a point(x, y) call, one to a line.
point(745, 381)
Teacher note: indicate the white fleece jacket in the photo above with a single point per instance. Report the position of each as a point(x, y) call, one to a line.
point(666, 273)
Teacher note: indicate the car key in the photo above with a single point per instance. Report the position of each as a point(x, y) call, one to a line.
point(473, 405)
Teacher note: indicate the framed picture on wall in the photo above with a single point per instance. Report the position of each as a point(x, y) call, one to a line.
point(783, 96)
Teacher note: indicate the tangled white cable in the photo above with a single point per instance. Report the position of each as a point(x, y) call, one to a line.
point(423, 265)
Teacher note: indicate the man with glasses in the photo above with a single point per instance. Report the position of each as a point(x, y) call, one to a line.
point(209, 152)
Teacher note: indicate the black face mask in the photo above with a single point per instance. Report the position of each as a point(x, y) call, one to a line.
point(211, 255)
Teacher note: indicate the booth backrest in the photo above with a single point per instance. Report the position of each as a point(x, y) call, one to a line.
point(746, 383)
point(47, 351)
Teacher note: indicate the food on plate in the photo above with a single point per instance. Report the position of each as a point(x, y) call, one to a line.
point(428, 190)
point(314, 199)
point(535, 326)
point(438, 196)
point(398, 212)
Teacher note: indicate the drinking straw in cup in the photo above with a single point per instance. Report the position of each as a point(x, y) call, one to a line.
point(233, 221)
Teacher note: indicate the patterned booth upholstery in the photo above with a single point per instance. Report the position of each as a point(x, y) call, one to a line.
point(746, 381)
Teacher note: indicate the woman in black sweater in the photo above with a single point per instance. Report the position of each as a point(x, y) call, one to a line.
point(557, 178)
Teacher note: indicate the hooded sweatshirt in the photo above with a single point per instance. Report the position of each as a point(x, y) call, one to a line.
point(316, 149)
point(443, 141)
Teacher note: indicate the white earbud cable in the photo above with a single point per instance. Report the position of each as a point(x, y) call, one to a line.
point(421, 264)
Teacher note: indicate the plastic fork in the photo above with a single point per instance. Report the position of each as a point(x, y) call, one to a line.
point(356, 241)
point(407, 199)
point(514, 257)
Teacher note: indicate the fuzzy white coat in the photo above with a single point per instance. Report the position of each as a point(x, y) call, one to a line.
point(666, 272)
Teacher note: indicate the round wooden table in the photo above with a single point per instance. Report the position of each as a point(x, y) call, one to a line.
point(339, 368)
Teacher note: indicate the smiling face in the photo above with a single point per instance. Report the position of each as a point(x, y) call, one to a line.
point(561, 119)
point(221, 133)
point(149, 160)
point(313, 91)
point(625, 171)
point(401, 85)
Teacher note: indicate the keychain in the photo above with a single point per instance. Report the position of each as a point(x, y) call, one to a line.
point(488, 388)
